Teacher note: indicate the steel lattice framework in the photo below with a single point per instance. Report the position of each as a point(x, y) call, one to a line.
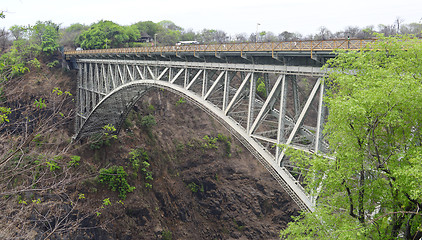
point(288, 111)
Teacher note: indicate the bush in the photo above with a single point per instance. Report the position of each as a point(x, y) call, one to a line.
point(139, 158)
point(103, 139)
point(209, 142)
point(261, 89)
point(136, 157)
point(148, 122)
point(167, 235)
point(195, 187)
point(227, 143)
point(116, 178)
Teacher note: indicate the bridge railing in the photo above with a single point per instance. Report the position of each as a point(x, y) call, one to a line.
point(297, 46)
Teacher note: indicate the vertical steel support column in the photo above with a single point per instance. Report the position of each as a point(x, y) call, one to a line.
point(104, 79)
point(94, 85)
point(205, 83)
point(156, 71)
point(78, 121)
point(186, 80)
point(111, 76)
point(86, 89)
point(125, 78)
point(321, 116)
point(90, 81)
point(226, 90)
point(170, 74)
point(281, 124)
point(296, 100)
point(98, 80)
point(267, 84)
point(252, 91)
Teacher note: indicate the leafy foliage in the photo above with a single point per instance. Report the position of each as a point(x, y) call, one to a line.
point(227, 143)
point(139, 158)
point(47, 35)
point(116, 178)
point(372, 187)
point(105, 138)
point(40, 103)
point(106, 34)
point(136, 157)
point(74, 162)
point(148, 122)
point(261, 90)
point(52, 165)
point(209, 142)
point(4, 112)
point(167, 235)
point(180, 101)
point(195, 187)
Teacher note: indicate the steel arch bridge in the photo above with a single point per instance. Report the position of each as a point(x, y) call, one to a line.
point(262, 105)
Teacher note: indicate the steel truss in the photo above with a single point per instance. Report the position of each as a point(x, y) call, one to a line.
point(264, 106)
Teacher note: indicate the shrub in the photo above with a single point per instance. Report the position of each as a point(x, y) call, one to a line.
point(195, 187)
point(180, 101)
point(74, 162)
point(166, 234)
point(227, 143)
point(116, 178)
point(139, 158)
point(148, 122)
point(261, 90)
point(53, 165)
point(209, 142)
point(136, 157)
point(105, 138)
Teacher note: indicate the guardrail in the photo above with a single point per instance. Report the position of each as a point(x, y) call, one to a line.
point(293, 46)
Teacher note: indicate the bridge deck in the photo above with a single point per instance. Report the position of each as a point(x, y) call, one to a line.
point(304, 47)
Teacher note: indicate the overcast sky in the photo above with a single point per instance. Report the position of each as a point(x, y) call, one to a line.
point(231, 16)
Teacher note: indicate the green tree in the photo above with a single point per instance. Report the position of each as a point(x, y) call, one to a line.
point(148, 27)
point(372, 187)
point(107, 34)
point(18, 32)
point(188, 35)
point(46, 34)
point(212, 36)
point(170, 25)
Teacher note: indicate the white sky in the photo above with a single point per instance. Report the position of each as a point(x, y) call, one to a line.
point(231, 16)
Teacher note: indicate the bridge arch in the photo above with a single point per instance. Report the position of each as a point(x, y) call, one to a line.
point(133, 91)
point(108, 89)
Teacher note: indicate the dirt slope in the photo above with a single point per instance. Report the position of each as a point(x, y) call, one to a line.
point(237, 197)
point(197, 192)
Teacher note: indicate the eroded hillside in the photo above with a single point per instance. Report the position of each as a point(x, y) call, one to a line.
point(198, 183)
